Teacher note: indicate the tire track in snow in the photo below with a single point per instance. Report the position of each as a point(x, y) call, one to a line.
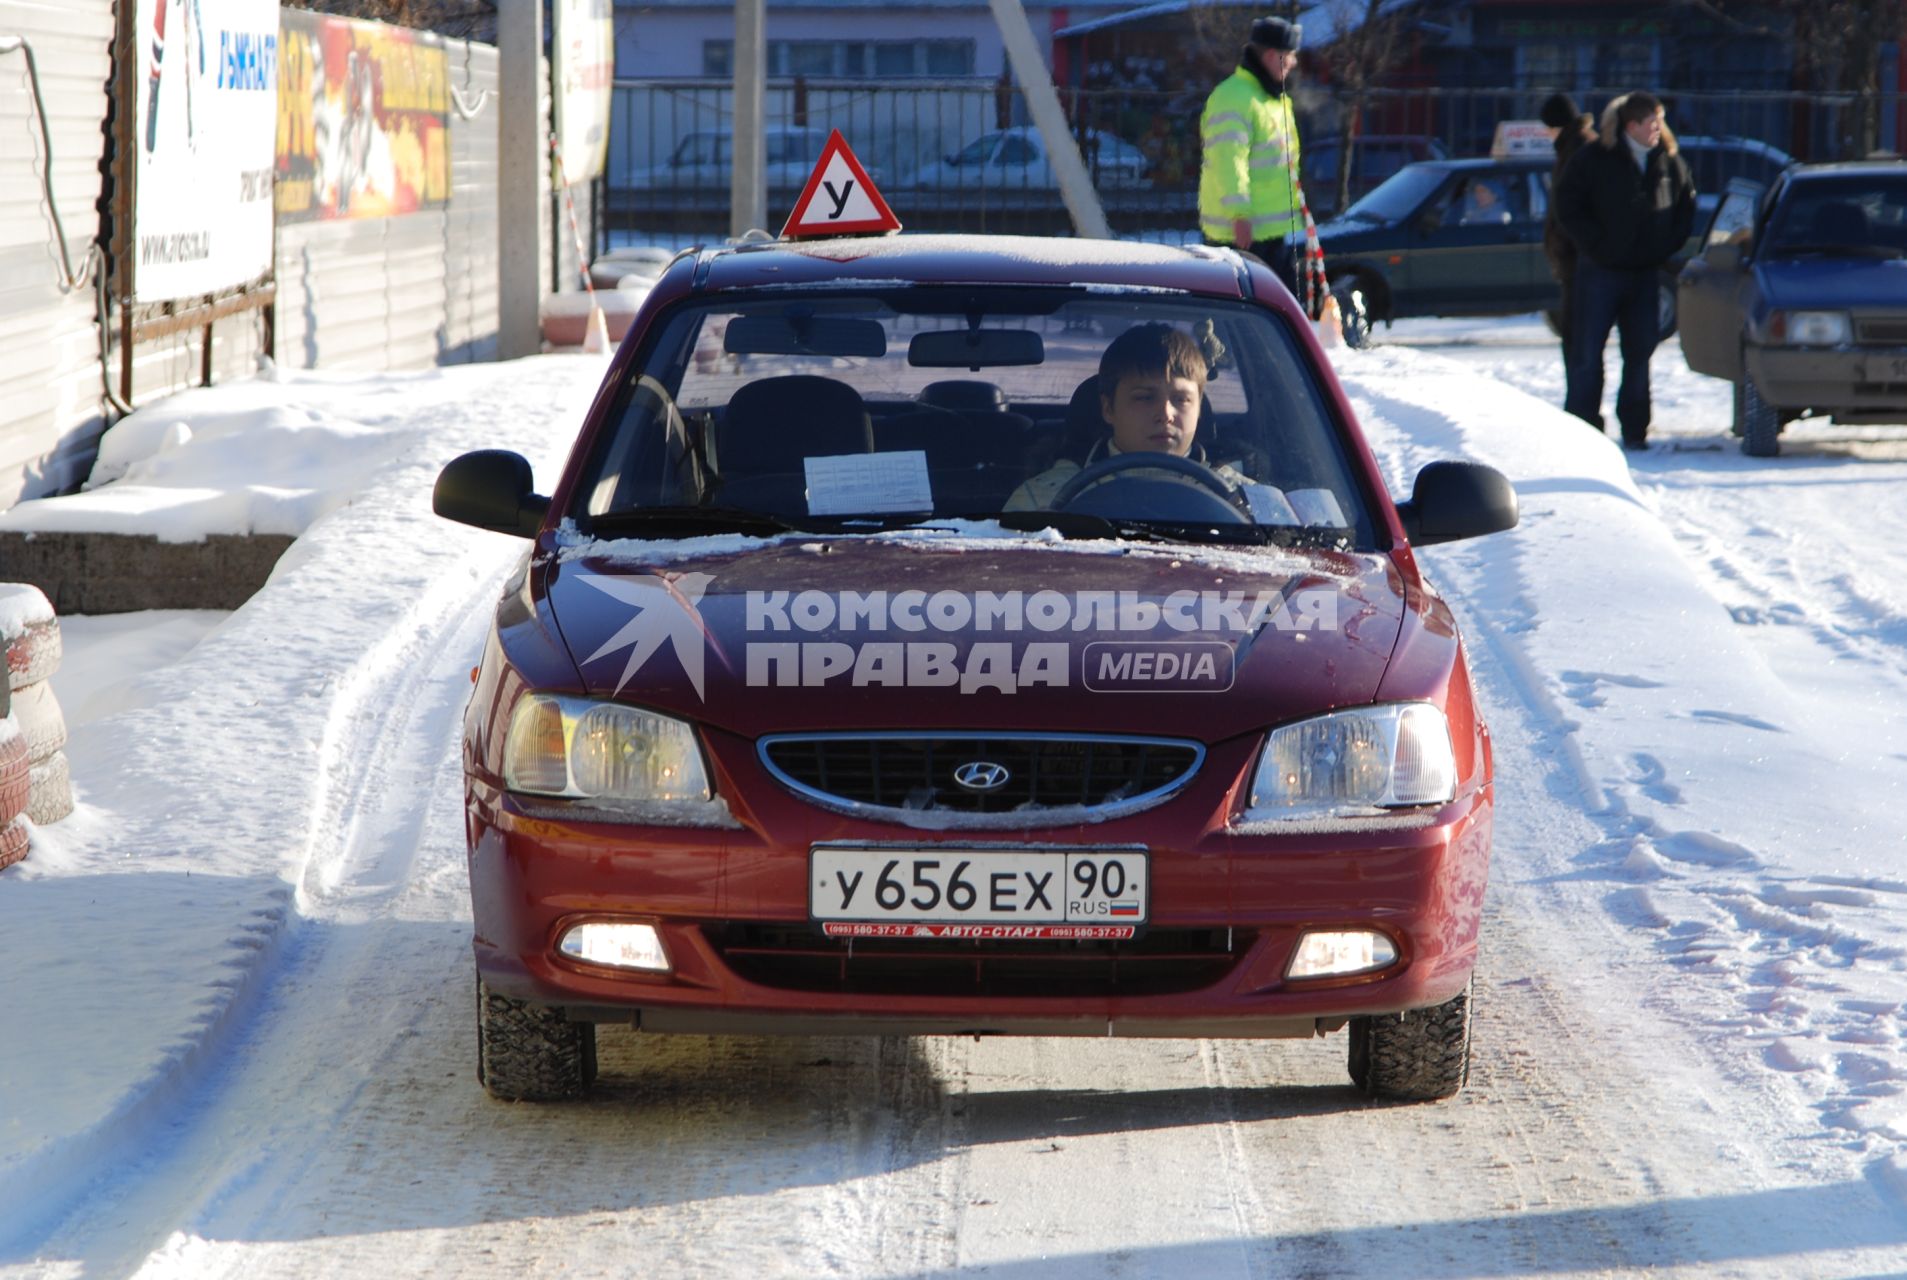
point(1660, 869)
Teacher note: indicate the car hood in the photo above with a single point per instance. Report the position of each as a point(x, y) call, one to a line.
point(1833, 284)
point(894, 632)
point(1350, 235)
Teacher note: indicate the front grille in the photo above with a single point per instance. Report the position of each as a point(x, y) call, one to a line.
point(1158, 962)
point(1881, 330)
point(915, 773)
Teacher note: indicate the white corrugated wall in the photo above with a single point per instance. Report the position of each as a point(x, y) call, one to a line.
point(388, 293)
point(49, 342)
point(396, 293)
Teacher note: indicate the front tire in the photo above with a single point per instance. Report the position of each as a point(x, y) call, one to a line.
point(1417, 1056)
point(1757, 422)
point(532, 1053)
point(1665, 318)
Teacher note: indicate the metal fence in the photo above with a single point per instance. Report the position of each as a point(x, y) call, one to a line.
point(958, 155)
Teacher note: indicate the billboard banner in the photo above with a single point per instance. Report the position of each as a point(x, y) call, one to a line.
point(205, 76)
point(585, 76)
point(363, 110)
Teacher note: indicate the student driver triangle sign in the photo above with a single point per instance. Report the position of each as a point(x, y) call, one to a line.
point(839, 199)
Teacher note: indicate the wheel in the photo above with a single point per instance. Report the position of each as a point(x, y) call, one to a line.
point(1665, 309)
point(33, 654)
point(1757, 422)
point(532, 1053)
point(14, 841)
point(1417, 1056)
point(1354, 312)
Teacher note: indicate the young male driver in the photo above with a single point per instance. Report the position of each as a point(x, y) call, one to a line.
point(1151, 384)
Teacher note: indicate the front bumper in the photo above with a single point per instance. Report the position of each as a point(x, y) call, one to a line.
point(1869, 382)
point(730, 904)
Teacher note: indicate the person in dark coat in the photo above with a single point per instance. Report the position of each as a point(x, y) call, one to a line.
point(1627, 202)
point(1574, 129)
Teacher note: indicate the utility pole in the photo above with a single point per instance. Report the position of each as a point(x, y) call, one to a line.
point(520, 149)
point(1062, 150)
point(747, 192)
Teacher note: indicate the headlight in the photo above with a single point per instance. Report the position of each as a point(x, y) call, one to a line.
point(1809, 328)
point(584, 749)
point(1351, 762)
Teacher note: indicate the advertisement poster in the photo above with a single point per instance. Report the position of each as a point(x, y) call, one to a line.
point(585, 76)
point(362, 112)
point(205, 79)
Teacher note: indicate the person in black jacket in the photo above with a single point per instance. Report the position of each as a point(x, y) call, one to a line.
point(1574, 130)
point(1628, 203)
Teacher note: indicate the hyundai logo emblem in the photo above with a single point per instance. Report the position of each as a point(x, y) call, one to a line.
point(981, 775)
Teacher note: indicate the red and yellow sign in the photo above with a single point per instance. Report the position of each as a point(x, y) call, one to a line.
point(362, 119)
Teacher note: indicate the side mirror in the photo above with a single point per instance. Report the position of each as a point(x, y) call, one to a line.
point(1429, 220)
point(1450, 501)
point(1723, 257)
point(491, 489)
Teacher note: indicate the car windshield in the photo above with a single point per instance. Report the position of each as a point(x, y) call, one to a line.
point(1399, 195)
point(978, 150)
point(1854, 214)
point(864, 410)
point(703, 148)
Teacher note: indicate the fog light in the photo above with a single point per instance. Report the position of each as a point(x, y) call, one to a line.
point(621, 946)
point(1336, 954)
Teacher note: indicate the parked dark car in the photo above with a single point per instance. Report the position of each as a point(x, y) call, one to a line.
point(1423, 244)
point(1800, 300)
point(796, 718)
point(1375, 157)
point(1419, 246)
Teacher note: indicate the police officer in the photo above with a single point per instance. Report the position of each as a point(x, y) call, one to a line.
point(1248, 188)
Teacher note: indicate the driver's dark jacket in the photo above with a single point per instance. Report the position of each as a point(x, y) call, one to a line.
point(1037, 493)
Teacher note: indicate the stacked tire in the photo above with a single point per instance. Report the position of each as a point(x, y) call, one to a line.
point(35, 779)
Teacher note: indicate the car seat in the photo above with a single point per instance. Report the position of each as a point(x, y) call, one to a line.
point(769, 430)
point(975, 445)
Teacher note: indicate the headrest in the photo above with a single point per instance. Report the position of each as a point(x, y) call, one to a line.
point(969, 395)
point(773, 423)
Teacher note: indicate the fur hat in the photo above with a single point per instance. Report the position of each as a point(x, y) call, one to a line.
point(1276, 33)
point(1559, 111)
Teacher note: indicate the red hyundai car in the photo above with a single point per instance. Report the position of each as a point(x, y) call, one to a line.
point(974, 636)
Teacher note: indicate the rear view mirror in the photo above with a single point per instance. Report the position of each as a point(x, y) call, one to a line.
point(975, 348)
point(491, 489)
point(804, 335)
point(1450, 501)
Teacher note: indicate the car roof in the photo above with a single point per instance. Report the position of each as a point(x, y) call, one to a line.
point(1467, 163)
point(1849, 168)
point(971, 260)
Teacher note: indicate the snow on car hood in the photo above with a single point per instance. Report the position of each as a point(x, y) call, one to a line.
point(893, 632)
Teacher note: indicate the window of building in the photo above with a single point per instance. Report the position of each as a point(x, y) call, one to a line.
point(849, 58)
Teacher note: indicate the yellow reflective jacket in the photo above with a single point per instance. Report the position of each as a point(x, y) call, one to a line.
point(1250, 141)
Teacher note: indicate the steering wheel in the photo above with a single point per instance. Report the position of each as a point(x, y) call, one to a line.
point(1212, 499)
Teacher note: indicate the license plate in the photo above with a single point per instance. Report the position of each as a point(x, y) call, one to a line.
point(978, 893)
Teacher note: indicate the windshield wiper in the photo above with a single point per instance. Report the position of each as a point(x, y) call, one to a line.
point(1075, 524)
point(697, 519)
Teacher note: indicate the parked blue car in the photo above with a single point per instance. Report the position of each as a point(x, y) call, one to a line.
point(1800, 299)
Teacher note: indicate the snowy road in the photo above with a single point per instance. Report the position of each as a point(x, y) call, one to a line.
point(1689, 1052)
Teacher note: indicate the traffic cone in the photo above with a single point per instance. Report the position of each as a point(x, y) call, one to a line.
point(596, 337)
point(1331, 322)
